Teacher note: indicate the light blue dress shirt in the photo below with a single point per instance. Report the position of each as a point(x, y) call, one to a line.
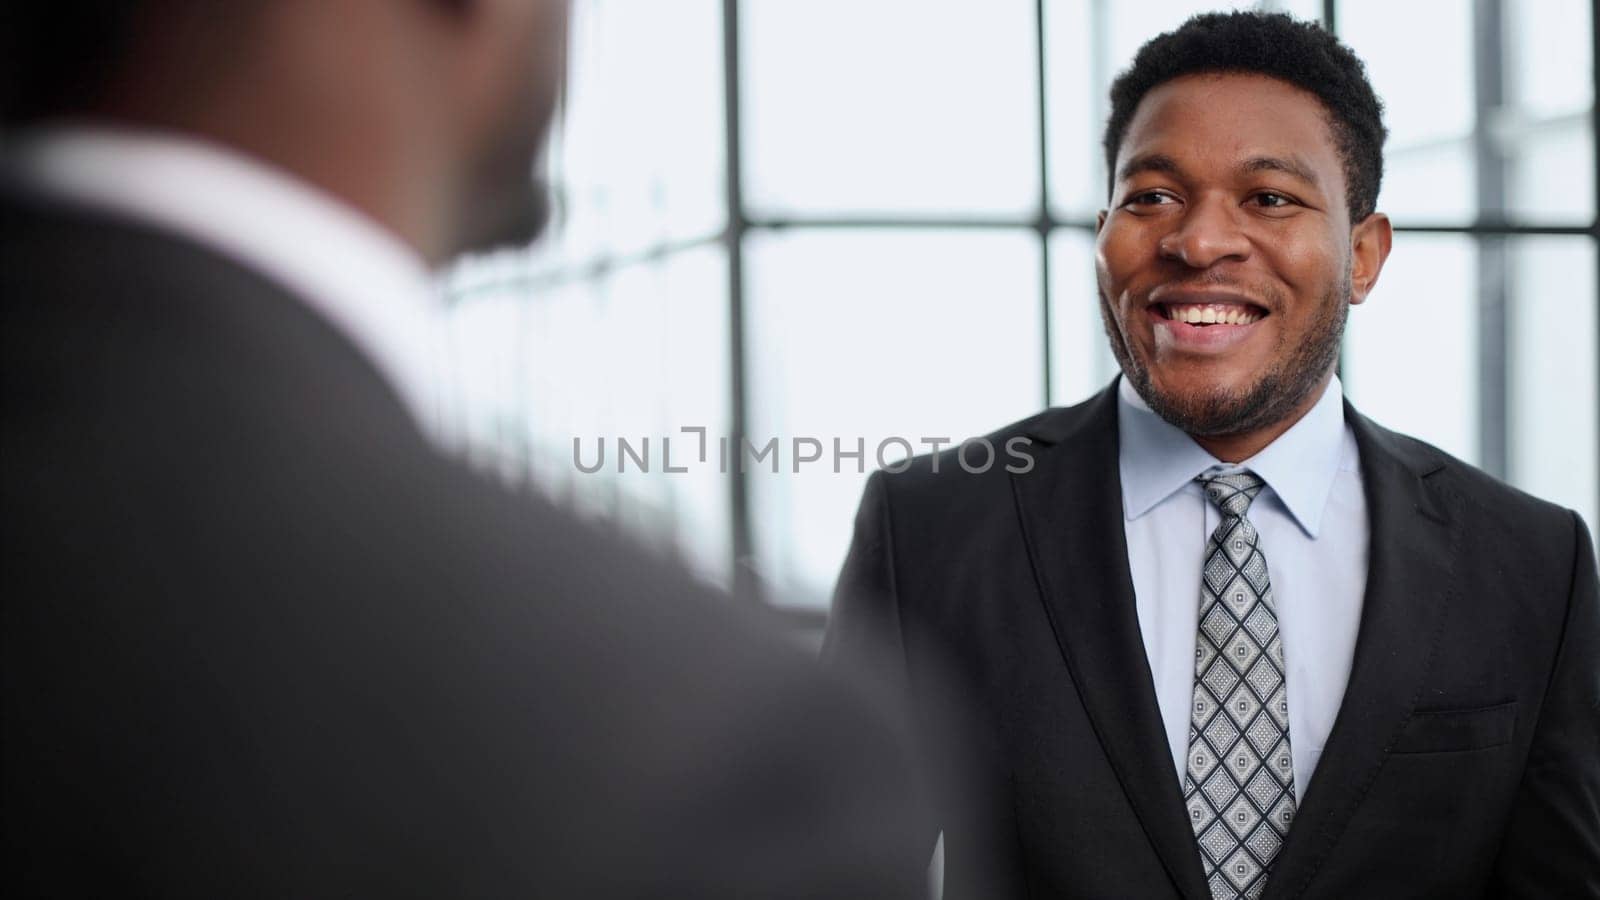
point(1312, 519)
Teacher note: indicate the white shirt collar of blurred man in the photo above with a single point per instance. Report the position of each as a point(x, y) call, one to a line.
point(371, 287)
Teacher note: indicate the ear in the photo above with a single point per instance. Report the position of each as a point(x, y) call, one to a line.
point(1370, 241)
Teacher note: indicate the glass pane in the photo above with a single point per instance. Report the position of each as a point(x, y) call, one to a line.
point(1411, 350)
point(1080, 360)
point(1075, 90)
point(637, 355)
point(1430, 183)
point(1310, 10)
point(865, 336)
point(1551, 177)
point(1551, 354)
point(891, 106)
point(1545, 128)
point(1428, 107)
point(1548, 69)
point(483, 357)
point(643, 75)
point(565, 396)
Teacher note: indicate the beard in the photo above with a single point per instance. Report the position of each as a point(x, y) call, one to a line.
point(508, 202)
point(513, 212)
point(1275, 394)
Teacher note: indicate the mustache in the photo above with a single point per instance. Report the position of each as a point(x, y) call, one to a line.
point(1268, 296)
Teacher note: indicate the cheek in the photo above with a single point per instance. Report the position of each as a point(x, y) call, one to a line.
point(1309, 266)
point(550, 35)
point(1110, 298)
point(1103, 280)
point(1117, 262)
point(531, 39)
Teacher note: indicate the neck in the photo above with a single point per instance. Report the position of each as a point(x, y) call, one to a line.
point(1236, 448)
point(310, 113)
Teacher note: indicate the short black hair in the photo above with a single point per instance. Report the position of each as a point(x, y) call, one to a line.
point(64, 57)
point(1279, 46)
point(56, 56)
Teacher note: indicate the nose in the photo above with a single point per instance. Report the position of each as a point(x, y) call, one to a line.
point(1207, 233)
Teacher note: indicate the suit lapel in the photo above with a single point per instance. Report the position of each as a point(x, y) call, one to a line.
point(1070, 506)
point(1410, 562)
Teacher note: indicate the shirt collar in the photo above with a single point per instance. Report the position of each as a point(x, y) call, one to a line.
point(1156, 459)
point(369, 285)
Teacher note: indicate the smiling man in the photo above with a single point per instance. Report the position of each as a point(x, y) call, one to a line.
point(1235, 243)
point(1227, 637)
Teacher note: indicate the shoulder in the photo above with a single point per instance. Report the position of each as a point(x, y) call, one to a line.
point(113, 310)
point(1490, 508)
point(657, 684)
point(51, 237)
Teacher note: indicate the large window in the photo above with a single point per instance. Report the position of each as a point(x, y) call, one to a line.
point(861, 220)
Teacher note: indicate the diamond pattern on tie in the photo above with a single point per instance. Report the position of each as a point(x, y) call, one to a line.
point(1239, 785)
point(1221, 732)
point(1204, 707)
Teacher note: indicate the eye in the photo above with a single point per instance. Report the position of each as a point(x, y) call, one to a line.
point(1272, 200)
point(1149, 198)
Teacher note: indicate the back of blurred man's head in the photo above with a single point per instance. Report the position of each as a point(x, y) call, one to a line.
point(425, 114)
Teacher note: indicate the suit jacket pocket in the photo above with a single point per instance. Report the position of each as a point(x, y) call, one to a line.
point(1449, 730)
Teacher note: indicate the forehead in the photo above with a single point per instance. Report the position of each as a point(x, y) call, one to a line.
point(1223, 118)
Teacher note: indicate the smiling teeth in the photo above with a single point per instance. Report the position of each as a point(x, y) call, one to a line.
point(1211, 315)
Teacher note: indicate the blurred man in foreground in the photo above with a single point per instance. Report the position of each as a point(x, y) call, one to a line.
point(260, 637)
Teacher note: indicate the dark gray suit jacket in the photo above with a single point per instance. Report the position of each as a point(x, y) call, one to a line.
point(1464, 762)
point(260, 639)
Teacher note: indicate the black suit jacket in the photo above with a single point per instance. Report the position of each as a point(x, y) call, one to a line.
point(260, 639)
point(1464, 762)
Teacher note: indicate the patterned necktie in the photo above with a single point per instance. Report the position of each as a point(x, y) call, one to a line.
point(1239, 785)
